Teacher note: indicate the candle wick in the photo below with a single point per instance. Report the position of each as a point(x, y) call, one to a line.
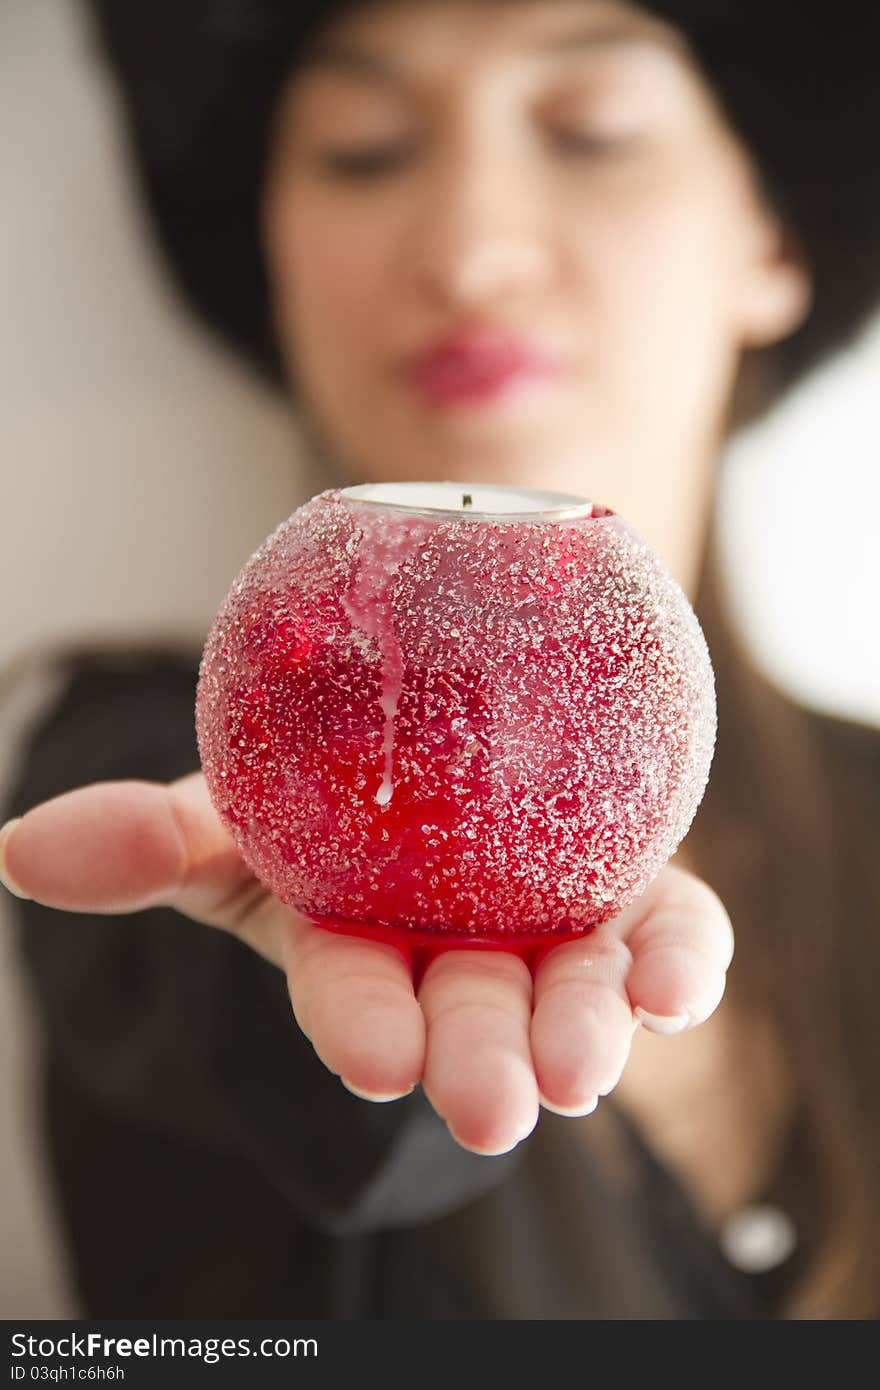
point(467, 500)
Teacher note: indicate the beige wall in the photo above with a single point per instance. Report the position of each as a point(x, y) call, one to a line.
point(140, 467)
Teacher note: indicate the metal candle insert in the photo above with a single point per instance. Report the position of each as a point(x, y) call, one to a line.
point(484, 502)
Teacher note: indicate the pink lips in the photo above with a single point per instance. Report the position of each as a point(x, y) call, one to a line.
point(479, 366)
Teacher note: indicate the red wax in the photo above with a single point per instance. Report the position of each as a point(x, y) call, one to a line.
point(442, 732)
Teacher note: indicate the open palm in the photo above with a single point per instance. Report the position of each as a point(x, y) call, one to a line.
point(489, 1043)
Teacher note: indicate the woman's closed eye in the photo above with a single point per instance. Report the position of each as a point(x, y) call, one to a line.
point(589, 143)
point(367, 161)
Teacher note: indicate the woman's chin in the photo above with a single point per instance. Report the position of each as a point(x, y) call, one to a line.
point(463, 446)
point(528, 442)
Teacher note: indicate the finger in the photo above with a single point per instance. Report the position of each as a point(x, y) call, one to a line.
point(681, 942)
point(121, 846)
point(354, 1000)
point(582, 1024)
point(478, 1067)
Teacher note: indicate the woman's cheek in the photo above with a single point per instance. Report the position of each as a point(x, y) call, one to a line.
point(342, 281)
point(665, 286)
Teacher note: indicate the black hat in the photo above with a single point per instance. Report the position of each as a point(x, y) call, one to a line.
point(199, 81)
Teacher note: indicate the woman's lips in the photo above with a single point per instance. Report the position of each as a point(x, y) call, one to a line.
point(479, 368)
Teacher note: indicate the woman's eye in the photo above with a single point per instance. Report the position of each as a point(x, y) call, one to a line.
point(367, 162)
point(580, 142)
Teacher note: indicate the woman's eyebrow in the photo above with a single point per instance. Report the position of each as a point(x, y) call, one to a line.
point(362, 62)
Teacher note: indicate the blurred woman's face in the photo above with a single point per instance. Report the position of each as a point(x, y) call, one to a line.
point(518, 242)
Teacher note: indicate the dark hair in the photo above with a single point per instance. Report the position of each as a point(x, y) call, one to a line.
point(787, 835)
point(200, 80)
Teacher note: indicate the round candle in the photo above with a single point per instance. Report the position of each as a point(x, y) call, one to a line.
point(455, 714)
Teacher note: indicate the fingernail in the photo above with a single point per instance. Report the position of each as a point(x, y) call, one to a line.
point(375, 1095)
point(574, 1112)
point(484, 1153)
point(662, 1023)
point(5, 877)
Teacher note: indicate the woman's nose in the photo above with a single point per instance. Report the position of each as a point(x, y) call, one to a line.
point(480, 237)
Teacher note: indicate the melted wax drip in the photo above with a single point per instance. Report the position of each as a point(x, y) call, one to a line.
point(370, 607)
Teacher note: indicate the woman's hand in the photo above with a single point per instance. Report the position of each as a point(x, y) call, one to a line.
point(488, 1044)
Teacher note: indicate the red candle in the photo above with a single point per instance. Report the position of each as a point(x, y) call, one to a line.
point(448, 715)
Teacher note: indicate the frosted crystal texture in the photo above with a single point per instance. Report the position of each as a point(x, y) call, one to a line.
point(456, 725)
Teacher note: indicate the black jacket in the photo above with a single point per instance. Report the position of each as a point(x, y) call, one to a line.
point(207, 1164)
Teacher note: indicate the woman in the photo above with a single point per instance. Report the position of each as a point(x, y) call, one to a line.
point(351, 193)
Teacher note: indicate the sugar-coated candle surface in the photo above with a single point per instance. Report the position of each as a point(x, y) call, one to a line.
point(418, 715)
